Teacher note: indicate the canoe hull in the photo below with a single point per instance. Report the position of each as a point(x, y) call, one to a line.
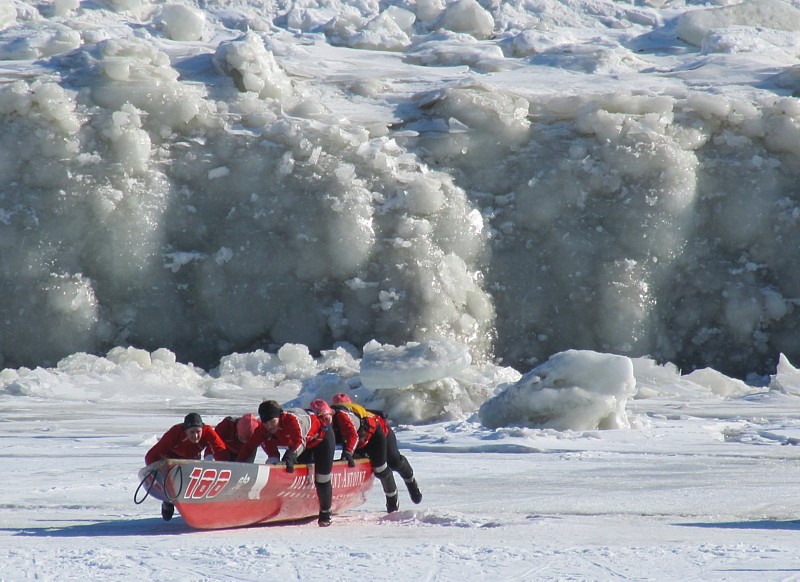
point(215, 495)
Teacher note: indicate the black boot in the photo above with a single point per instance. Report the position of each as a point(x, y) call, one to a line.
point(413, 490)
point(392, 503)
point(389, 489)
point(325, 495)
point(167, 510)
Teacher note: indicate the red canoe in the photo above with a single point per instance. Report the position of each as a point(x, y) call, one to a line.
point(214, 495)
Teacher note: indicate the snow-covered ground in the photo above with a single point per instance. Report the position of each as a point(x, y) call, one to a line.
point(523, 177)
point(699, 484)
point(482, 217)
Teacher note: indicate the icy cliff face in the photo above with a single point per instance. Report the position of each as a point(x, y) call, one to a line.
point(633, 224)
point(213, 181)
point(146, 208)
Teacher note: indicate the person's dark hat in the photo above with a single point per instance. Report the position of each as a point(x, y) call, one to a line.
point(268, 410)
point(192, 419)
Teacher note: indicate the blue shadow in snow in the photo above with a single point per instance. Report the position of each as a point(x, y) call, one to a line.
point(118, 528)
point(763, 524)
point(128, 527)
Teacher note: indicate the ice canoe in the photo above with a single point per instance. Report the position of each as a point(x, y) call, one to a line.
point(214, 494)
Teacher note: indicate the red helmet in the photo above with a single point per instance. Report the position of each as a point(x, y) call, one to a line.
point(321, 407)
point(245, 426)
point(341, 398)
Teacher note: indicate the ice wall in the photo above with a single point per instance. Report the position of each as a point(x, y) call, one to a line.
point(139, 208)
point(633, 224)
point(166, 180)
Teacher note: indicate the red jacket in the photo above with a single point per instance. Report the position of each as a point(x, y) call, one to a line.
point(346, 425)
point(175, 445)
point(369, 422)
point(298, 430)
point(227, 431)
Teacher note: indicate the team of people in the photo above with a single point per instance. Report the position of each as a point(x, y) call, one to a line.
point(306, 435)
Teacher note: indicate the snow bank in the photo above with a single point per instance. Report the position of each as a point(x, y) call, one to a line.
point(666, 381)
point(696, 25)
point(469, 17)
point(253, 68)
point(388, 366)
point(574, 390)
point(182, 23)
point(786, 378)
point(120, 375)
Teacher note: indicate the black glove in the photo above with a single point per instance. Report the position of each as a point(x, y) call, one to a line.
point(351, 462)
point(290, 458)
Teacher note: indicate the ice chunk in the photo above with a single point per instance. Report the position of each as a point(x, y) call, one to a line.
point(695, 25)
point(573, 390)
point(388, 366)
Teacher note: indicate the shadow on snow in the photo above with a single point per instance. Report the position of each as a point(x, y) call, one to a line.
point(763, 524)
point(128, 527)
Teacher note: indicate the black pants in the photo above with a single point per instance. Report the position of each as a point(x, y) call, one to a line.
point(382, 450)
point(322, 457)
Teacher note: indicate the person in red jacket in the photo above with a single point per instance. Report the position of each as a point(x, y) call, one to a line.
point(377, 440)
point(185, 441)
point(346, 424)
point(234, 432)
point(298, 430)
